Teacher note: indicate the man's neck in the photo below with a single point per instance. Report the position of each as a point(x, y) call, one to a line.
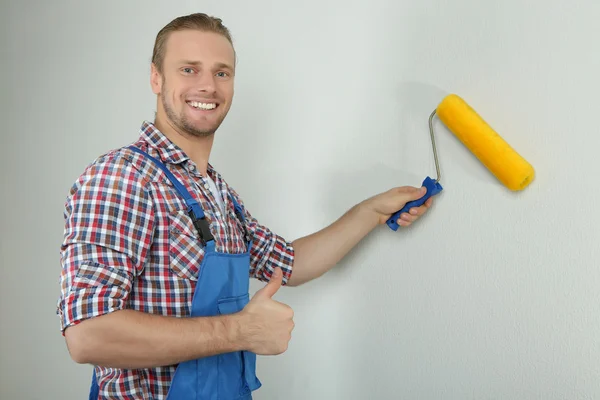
point(196, 148)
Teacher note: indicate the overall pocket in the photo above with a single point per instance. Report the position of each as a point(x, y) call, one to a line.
point(237, 370)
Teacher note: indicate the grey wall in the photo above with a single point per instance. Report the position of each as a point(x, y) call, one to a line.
point(492, 295)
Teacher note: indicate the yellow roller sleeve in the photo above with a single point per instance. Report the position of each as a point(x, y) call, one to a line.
point(498, 156)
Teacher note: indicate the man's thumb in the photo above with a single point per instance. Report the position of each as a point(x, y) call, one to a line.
point(274, 284)
point(416, 194)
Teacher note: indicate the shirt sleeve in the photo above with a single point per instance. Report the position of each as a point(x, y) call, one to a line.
point(269, 250)
point(108, 230)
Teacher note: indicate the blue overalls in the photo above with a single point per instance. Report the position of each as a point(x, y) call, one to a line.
point(222, 288)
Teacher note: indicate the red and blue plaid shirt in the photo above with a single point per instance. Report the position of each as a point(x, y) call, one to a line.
point(129, 244)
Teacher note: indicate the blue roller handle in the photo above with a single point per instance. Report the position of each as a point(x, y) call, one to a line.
point(433, 188)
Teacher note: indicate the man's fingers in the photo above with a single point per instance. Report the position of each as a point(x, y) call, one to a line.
point(408, 217)
point(418, 211)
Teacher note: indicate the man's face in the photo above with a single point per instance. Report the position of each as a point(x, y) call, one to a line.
point(196, 86)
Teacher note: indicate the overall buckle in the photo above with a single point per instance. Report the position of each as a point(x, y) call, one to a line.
point(202, 227)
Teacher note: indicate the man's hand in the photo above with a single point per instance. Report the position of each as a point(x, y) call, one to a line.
point(265, 324)
point(385, 204)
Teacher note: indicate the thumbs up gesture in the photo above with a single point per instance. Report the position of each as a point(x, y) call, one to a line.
point(266, 324)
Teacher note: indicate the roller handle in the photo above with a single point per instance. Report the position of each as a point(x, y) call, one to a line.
point(433, 188)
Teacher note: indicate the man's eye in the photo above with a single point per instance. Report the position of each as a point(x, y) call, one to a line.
point(188, 70)
point(222, 74)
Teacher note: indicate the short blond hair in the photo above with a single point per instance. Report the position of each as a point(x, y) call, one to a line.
point(198, 21)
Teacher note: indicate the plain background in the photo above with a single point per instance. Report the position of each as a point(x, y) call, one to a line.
point(492, 295)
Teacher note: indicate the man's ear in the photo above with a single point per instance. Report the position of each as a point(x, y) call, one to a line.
point(155, 79)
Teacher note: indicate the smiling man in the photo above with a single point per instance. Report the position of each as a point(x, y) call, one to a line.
point(158, 249)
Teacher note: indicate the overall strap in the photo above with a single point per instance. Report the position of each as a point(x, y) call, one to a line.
point(194, 210)
point(238, 208)
point(240, 214)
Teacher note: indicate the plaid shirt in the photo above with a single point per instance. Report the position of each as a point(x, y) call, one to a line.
point(129, 244)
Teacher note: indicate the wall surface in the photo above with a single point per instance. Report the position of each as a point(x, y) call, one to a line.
point(492, 295)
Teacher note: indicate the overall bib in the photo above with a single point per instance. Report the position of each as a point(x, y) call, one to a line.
point(222, 288)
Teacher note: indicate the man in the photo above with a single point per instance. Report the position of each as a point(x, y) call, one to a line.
point(158, 248)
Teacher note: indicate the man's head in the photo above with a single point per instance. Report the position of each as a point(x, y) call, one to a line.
point(193, 67)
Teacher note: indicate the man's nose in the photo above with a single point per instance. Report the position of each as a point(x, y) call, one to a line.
point(206, 83)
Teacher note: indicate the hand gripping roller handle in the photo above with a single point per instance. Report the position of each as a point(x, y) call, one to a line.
point(433, 186)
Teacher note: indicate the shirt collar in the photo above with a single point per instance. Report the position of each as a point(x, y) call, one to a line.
point(168, 151)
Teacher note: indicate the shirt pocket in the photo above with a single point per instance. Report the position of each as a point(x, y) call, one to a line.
point(185, 249)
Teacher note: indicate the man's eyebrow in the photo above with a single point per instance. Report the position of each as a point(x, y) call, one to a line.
point(224, 65)
point(198, 63)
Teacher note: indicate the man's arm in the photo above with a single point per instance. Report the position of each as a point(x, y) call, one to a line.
point(132, 339)
point(317, 253)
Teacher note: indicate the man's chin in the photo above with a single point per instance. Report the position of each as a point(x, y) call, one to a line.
point(201, 130)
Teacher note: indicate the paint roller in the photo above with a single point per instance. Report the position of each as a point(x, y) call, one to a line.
point(508, 166)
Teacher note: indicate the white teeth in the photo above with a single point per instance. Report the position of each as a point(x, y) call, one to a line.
point(203, 106)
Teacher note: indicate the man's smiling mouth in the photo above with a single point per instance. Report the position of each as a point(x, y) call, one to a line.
point(203, 106)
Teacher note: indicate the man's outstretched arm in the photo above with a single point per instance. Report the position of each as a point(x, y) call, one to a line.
point(317, 253)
